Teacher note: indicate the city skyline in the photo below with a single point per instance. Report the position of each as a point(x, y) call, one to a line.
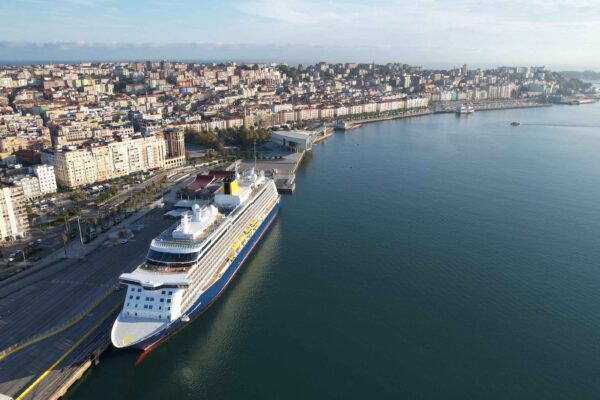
point(432, 33)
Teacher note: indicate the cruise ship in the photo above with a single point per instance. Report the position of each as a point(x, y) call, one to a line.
point(190, 264)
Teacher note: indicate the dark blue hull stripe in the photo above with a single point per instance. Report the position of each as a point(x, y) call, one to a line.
point(210, 295)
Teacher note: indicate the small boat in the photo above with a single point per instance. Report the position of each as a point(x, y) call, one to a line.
point(515, 123)
point(464, 109)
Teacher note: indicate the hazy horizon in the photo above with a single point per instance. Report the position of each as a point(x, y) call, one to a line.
point(558, 34)
point(73, 52)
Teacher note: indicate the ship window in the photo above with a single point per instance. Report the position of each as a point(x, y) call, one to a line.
point(168, 300)
point(139, 290)
point(137, 297)
point(160, 256)
point(162, 300)
point(136, 306)
point(160, 307)
point(150, 307)
point(130, 297)
point(163, 292)
point(136, 314)
point(168, 308)
point(170, 292)
point(145, 306)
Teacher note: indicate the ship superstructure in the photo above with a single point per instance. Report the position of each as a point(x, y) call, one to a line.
point(464, 109)
point(190, 264)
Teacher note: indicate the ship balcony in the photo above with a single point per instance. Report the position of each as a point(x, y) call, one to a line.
point(165, 268)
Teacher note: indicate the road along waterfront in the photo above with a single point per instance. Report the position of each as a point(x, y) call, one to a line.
point(58, 305)
point(435, 257)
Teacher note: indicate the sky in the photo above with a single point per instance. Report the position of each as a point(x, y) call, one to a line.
point(435, 33)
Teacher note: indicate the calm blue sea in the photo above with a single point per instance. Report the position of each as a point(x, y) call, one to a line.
point(439, 257)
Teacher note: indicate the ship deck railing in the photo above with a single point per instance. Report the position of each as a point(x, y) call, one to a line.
point(162, 269)
point(165, 239)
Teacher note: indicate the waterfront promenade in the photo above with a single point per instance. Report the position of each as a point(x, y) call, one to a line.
point(53, 311)
point(448, 107)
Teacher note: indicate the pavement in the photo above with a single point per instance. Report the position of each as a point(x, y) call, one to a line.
point(282, 170)
point(67, 291)
point(53, 315)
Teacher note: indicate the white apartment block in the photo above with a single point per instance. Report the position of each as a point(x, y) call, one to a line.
point(355, 109)
point(325, 113)
point(341, 111)
point(73, 168)
point(30, 186)
point(46, 178)
point(370, 107)
point(84, 166)
point(13, 215)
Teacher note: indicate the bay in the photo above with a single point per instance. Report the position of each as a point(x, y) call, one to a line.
point(433, 257)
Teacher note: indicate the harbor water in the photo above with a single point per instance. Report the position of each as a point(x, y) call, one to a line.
point(426, 258)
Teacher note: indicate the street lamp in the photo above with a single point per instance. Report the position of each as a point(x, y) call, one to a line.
point(79, 226)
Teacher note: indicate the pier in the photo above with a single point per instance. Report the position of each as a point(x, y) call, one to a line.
point(283, 170)
point(58, 333)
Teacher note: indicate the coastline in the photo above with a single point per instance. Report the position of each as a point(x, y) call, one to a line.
point(450, 109)
point(70, 376)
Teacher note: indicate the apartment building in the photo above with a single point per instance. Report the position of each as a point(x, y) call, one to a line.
point(73, 168)
point(46, 177)
point(30, 186)
point(100, 162)
point(13, 215)
point(175, 148)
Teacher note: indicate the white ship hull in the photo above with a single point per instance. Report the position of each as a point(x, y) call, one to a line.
point(187, 294)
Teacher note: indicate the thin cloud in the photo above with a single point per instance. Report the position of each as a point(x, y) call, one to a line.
point(539, 31)
point(293, 12)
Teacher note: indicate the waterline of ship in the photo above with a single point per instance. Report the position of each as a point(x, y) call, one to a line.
point(190, 265)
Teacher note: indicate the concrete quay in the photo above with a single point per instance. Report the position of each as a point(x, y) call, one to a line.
point(55, 318)
point(409, 114)
point(54, 315)
point(283, 171)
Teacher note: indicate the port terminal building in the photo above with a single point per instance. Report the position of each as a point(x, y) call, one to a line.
point(295, 140)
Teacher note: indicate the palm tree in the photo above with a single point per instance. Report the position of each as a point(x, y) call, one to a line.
point(113, 212)
point(64, 238)
point(65, 215)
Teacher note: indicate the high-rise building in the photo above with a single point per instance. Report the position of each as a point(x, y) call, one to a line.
point(13, 215)
point(73, 168)
point(30, 186)
point(46, 177)
point(174, 139)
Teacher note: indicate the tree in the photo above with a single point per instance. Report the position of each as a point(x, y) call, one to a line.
point(204, 138)
point(65, 215)
point(77, 196)
point(64, 238)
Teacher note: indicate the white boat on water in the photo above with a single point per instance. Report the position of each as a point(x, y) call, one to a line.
point(465, 109)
